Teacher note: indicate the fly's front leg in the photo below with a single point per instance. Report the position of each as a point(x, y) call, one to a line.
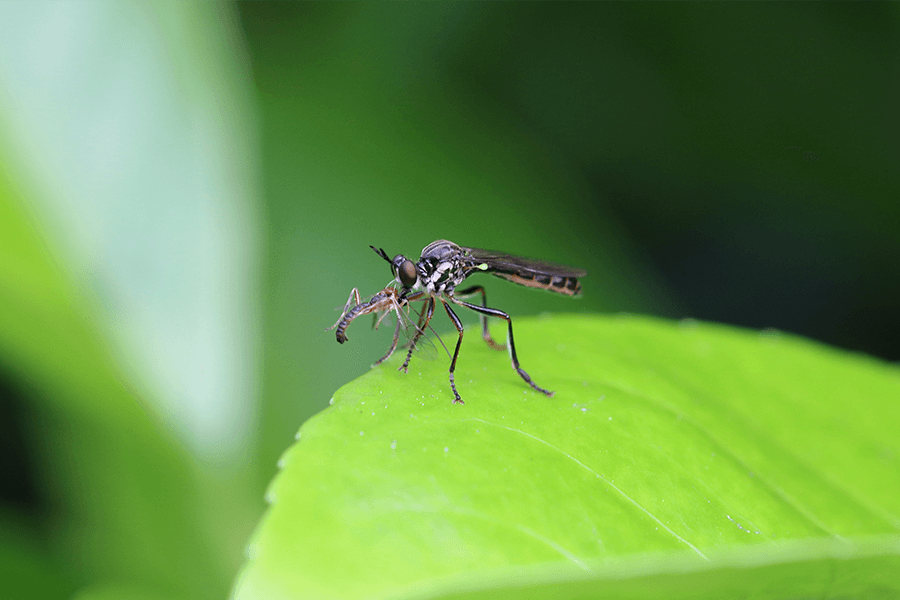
point(424, 319)
point(459, 328)
point(484, 324)
point(493, 312)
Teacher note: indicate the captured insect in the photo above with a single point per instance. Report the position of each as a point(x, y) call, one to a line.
point(385, 302)
point(443, 265)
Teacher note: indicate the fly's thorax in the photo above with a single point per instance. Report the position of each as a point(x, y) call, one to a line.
point(442, 267)
point(440, 250)
point(439, 276)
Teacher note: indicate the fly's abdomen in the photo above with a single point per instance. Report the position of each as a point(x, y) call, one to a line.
point(570, 286)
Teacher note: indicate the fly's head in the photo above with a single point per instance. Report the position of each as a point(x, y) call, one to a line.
point(404, 269)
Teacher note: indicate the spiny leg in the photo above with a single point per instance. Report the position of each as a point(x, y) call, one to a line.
point(424, 319)
point(484, 324)
point(493, 312)
point(459, 328)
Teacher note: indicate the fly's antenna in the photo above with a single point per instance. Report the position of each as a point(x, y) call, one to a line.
point(380, 252)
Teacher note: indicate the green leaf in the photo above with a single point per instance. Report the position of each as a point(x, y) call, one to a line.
point(125, 489)
point(123, 592)
point(813, 569)
point(28, 570)
point(125, 266)
point(683, 442)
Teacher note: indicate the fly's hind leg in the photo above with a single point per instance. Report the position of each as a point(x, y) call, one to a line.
point(493, 312)
point(484, 324)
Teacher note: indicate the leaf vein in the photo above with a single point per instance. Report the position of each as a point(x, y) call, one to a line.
point(599, 476)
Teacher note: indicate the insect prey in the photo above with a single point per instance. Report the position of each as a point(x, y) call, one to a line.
point(380, 305)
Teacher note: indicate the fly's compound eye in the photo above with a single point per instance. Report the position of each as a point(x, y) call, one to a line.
point(405, 270)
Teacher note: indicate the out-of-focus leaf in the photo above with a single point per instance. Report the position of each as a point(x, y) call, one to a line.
point(125, 252)
point(124, 592)
point(126, 489)
point(27, 570)
point(686, 440)
point(130, 126)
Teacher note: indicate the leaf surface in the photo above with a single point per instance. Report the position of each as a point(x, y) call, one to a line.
point(667, 440)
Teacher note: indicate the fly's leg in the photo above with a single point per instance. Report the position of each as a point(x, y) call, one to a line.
point(484, 324)
point(459, 328)
point(424, 319)
point(397, 307)
point(493, 312)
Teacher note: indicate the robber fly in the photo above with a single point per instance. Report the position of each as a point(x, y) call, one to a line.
point(444, 265)
point(386, 301)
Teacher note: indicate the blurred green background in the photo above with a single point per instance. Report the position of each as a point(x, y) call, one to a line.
point(190, 190)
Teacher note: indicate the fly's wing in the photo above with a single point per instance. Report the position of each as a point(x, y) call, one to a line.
point(528, 271)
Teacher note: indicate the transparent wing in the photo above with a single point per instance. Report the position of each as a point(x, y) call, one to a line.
point(508, 263)
point(527, 271)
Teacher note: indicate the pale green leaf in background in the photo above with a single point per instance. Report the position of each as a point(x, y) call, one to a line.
point(131, 125)
point(128, 310)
